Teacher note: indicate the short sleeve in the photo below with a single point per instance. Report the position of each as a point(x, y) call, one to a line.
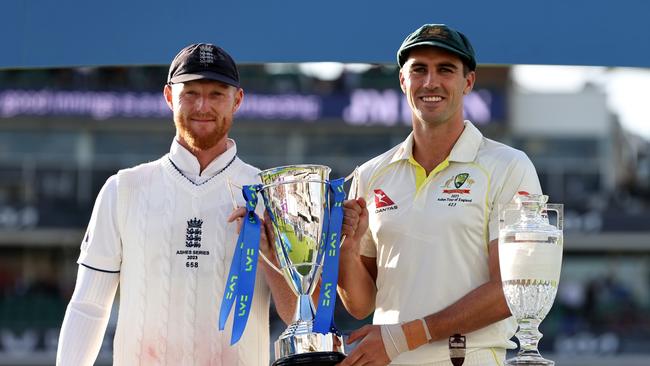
point(368, 247)
point(521, 177)
point(358, 188)
point(101, 248)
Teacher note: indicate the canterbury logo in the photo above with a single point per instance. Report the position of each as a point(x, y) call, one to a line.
point(381, 199)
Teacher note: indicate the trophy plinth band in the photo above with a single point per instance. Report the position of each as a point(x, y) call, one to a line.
point(311, 359)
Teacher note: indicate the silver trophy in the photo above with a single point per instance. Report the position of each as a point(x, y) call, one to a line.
point(530, 259)
point(297, 200)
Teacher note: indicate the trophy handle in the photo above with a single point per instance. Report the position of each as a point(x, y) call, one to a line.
point(558, 208)
point(354, 186)
point(230, 184)
point(270, 263)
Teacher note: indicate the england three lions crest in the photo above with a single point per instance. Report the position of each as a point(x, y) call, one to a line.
point(193, 233)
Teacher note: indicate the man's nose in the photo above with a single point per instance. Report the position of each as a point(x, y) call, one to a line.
point(202, 104)
point(430, 80)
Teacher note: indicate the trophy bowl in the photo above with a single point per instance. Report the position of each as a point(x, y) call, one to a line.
point(530, 259)
point(297, 200)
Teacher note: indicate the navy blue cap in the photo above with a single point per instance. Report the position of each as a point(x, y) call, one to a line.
point(203, 61)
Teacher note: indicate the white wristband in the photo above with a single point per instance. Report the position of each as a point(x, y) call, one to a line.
point(426, 330)
point(394, 340)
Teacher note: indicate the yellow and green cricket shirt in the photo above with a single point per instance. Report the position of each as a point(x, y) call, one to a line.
point(429, 234)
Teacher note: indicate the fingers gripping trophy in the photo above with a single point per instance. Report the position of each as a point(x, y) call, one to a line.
point(306, 212)
point(530, 258)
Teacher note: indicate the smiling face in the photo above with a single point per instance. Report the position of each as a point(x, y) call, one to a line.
point(203, 112)
point(434, 82)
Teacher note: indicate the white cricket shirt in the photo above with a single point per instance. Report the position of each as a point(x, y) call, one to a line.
point(163, 227)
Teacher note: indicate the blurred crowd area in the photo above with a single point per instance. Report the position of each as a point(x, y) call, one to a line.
point(63, 132)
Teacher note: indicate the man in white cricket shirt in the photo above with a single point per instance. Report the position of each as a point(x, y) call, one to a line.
point(421, 247)
point(160, 230)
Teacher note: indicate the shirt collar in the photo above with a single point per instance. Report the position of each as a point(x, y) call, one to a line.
point(187, 163)
point(464, 149)
point(405, 151)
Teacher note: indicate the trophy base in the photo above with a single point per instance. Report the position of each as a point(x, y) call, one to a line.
point(529, 361)
point(312, 358)
point(299, 340)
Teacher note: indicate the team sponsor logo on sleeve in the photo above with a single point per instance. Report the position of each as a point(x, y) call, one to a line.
point(383, 202)
point(457, 189)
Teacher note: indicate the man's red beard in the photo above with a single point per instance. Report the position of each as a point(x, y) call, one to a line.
point(204, 141)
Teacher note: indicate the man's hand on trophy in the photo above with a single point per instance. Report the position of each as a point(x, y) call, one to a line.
point(237, 214)
point(267, 238)
point(370, 350)
point(355, 222)
point(266, 234)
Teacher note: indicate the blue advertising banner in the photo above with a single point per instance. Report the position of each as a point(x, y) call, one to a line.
point(359, 107)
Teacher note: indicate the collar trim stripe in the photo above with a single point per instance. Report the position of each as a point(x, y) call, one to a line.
point(205, 181)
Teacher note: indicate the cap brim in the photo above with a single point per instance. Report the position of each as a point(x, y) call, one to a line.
point(431, 43)
point(204, 76)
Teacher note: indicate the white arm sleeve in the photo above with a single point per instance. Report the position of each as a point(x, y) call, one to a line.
point(86, 317)
point(101, 247)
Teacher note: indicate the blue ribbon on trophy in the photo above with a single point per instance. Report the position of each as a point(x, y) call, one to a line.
point(241, 277)
point(324, 322)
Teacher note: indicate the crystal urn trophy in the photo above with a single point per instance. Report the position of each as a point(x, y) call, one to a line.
point(306, 212)
point(530, 259)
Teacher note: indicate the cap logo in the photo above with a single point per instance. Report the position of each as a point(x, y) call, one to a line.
point(206, 54)
point(203, 61)
point(435, 32)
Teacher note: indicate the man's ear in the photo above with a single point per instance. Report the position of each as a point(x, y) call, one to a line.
point(470, 80)
point(401, 81)
point(167, 92)
point(239, 98)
